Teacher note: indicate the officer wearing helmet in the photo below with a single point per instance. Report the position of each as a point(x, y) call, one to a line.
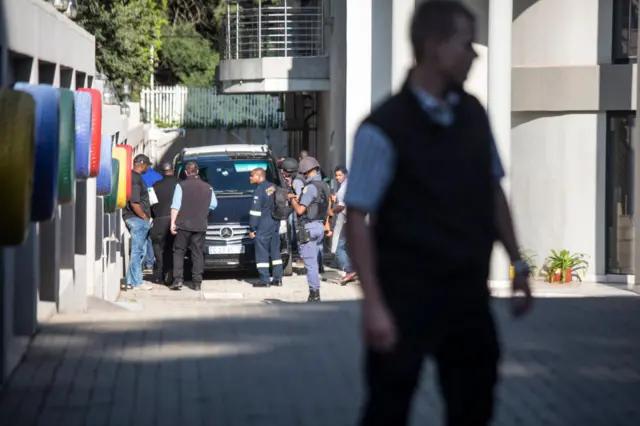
point(311, 209)
point(290, 168)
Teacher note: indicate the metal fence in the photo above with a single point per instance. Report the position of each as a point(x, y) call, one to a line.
point(177, 106)
point(273, 31)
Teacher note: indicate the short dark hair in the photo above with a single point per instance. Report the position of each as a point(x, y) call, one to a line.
point(191, 168)
point(435, 19)
point(259, 172)
point(341, 169)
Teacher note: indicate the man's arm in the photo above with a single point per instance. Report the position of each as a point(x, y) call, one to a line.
point(256, 211)
point(307, 196)
point(214, 201)
point(176, 203)
point(372, 169)
point(134, 202)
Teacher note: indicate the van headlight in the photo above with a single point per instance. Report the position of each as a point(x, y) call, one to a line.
point(283, 226)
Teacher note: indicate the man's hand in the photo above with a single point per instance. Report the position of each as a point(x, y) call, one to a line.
point(291, 196)
point(174, 229)
point(252, 235)
point(521, 298)
point(380, 332)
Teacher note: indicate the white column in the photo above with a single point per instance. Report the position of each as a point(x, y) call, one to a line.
point(402, 54)
point(391, 55)
point(358, 68)
point(499, 105)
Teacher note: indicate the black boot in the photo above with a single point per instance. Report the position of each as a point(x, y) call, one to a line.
point(177, 285)
point(276, 283)
point(314, 296)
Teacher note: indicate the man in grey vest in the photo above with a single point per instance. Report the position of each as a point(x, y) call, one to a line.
point(192, 200)
point(425, 167)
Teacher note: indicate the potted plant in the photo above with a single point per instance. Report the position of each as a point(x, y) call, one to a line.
point(527, 257)
point(562, 266)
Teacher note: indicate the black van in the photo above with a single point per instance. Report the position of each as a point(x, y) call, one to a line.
point(227, 169)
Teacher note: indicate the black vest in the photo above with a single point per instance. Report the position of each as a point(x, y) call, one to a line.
point(436, 221)
point(164, 191)
point(317, 210)
point(194, 209)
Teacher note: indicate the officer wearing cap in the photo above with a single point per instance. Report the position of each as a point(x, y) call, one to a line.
point(137, 217)
point(311, 208)
point(161, 237)
point(264, 230)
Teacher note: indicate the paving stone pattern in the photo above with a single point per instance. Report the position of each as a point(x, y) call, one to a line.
point(182, 360)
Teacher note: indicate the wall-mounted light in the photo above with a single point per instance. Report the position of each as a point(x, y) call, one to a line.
point(126, 90)
point(61, 5)
point(72, 11)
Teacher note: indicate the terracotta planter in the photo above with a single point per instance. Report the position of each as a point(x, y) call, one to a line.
point(557, 277)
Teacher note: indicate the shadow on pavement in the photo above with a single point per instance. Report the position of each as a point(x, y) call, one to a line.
point(573, 362)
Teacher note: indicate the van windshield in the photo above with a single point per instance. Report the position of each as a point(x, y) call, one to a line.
point(230, 175)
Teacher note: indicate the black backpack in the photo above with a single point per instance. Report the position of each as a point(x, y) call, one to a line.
point(282, 208)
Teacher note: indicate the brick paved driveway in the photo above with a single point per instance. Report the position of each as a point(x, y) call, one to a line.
point(187, 361)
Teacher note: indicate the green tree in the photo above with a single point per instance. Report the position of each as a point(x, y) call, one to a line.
point(125, 31)
point(188, 56)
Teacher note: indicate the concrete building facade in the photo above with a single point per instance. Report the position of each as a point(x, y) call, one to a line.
point(558, 78)
point(79, 253)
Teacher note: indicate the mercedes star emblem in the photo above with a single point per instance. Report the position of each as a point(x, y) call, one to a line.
point(226, 232)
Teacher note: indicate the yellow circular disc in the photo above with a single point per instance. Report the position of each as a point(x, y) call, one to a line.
point(120, 154)
point(17, 157)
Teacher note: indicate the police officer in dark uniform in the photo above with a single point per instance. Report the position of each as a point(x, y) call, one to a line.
point(161, 237)
point(264, 230)
point(192, 200)
point(311, 208)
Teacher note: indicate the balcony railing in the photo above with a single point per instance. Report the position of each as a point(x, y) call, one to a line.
point(273, 31)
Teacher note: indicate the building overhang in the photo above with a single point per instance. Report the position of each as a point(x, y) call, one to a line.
point(275, 75)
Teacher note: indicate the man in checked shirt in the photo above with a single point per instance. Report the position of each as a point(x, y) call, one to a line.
point(426, 169)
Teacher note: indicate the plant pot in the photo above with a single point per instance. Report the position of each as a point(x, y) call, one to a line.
point(558, 276)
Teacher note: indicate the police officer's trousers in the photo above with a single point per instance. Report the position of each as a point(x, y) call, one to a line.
point(465, 348)
point(162, 240)
point(309, 253)
point(267, 246)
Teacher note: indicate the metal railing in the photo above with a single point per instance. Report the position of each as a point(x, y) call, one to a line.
point(273, 31)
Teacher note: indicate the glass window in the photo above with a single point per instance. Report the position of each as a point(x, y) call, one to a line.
point(625, 31)
point(230, 175)
point(620, 193)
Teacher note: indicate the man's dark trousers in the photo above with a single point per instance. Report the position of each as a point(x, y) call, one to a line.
point(462, 340)
point(162, 240)
point(194, 241)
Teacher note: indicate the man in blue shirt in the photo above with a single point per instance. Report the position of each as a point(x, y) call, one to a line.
point(193, 198)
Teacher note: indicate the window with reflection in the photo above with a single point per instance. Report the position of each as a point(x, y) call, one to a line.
point(625, 31)
point(620, 193)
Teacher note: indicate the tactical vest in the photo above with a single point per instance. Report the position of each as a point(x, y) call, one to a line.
point(319, 207)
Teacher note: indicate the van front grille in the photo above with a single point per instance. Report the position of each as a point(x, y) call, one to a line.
point(229, 233)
